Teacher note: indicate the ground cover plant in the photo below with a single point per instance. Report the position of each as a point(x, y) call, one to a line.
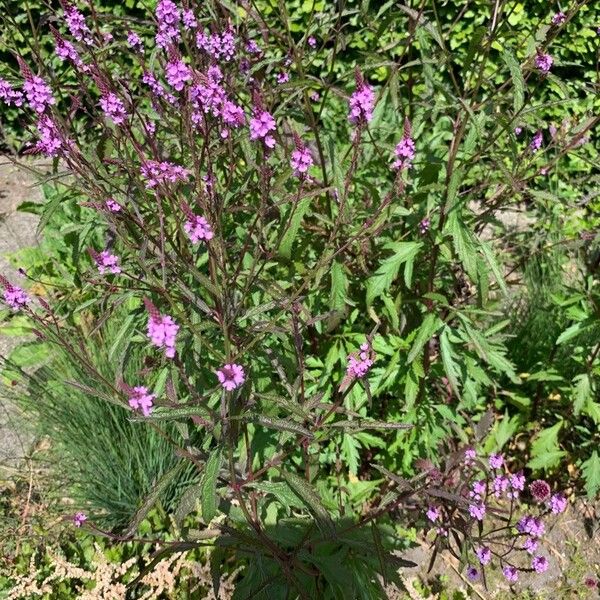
point(323, 265)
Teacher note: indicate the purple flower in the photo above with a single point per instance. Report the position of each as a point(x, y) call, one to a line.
point(112, 205)
point(496, 461)
point(79, 519)
point(472, 573)
point(197, 228)
point(544, 62)
point(113, 108)
point(433, 513)
point(301, 160)
point(218, 46)
point(540, 490)
point(362, 102)
point(536, 142)
point(500, 485)
point(231, 376)
point(105, 261)
point(484, 555)
point(135, 41)
point(530, 545)
point(77, 26)
point(140, 399)
point(534, 526)
point(162, 329)
point(312, 42)
point(557, 504)
point(38, 93)
point(539, 564)
point(66, 51)
point(359, 364)
point(477, 511)
point(283, 77)
point(423, 229)
point(470, 453)
point(261, 125)
point(518, 130)
point(156, 173)
point(510, 573)
point(14, 296)
point(478, 490)
point(9, 95)
point(559, 18)
point(252, 47)
point(189, 19)
point(405, 154)
point(51, 142)
point(178, 74)
point(167, 16)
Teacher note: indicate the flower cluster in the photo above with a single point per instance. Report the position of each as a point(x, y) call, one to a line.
point(9, 95)
point(105, 261)
point(362, 102)
point(79, 519)
point(301, 160)
point(218, 46)
point(157, 89)
point(77, 25)
point(113, 108)
point(135, 41)
point(189, 19)
point(141, 400)
point(112, 205)
point(262, 124)
point(518, 538)
point(536, 142)
point(405, 154)
point(38, 93)
point(155, 173)
point(51, 142)
point(359, 364)
point(177, 74)
point(559, 18)
point(14, 296)
point(544, 62)
point(168, 17)
point(196, 227)
point(162, 329)
point(231, 376)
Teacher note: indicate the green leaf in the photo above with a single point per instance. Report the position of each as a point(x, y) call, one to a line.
point(339, 286)
point(122, 338)
point(450, 367)
point(571, 332)
point(464, 245)
point(545, 450)
point(310, 498)
point(280, 425)
point(517, 79)
point(581, 392)
point(293, 225)
point(488, 254)
point(431, 323)
point(404, 252)
point(591, 474)
point(208, 485)
point(350, 453)
point(280, 490)
point(163, 413)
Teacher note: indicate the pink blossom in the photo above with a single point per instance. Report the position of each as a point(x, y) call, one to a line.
point(261, 124)
point(155, 173)
point(38, 93)
point(539, 564)
point(105, 261)
point(536, 142)
point(544, 62)
point(500, 485)
point(79, 519)
point(218, 46)
point(518, 130)
point(252, 47)
point(405, 154)
point(178, 74)
point(510, 573)
point(559, 18)
point(557, 504)
point(14, 296)
point(433, 513)
point(51, 142)
point(112, 205)
point(66, 51)
point(360, 364)
point(135, 41)
point(77, 25)
point(496, 461)
point(478, 490)
point(9, 95)
point(540, 490)
point(113, 108)
point(162, 330)
point(424, 226)
point(484, 555)
point(168, 16)
point(197, 228)
point(472, 573)
point(477, 511)
point(189, 19)
point(231, 376)
point(283, 77)
point(312, 42)
point(530, 545)
point(301, 160)
point(141, 400)
point(362, 102)
point(534, 526)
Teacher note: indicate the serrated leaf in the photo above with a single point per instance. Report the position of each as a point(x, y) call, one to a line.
point(517, 80)
point(280, 425)
point(431, 323)
point(122, 338)
point(164, 413)
point(293, 225)
point(310, 498)
point(208, 485)
point(339, 286)
point(280, 490)
point(591, 473)
point(569, 333)
point(464, 245)
point(581, 392)
point(450, 367)
point(404, 252)
point(350, 453)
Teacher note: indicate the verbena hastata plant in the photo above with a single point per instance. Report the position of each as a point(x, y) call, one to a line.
point(308, 259)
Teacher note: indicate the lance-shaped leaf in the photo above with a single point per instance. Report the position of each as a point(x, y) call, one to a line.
point(431, 323)
point(450, 367)
point(310, 498)
point(208, 485)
